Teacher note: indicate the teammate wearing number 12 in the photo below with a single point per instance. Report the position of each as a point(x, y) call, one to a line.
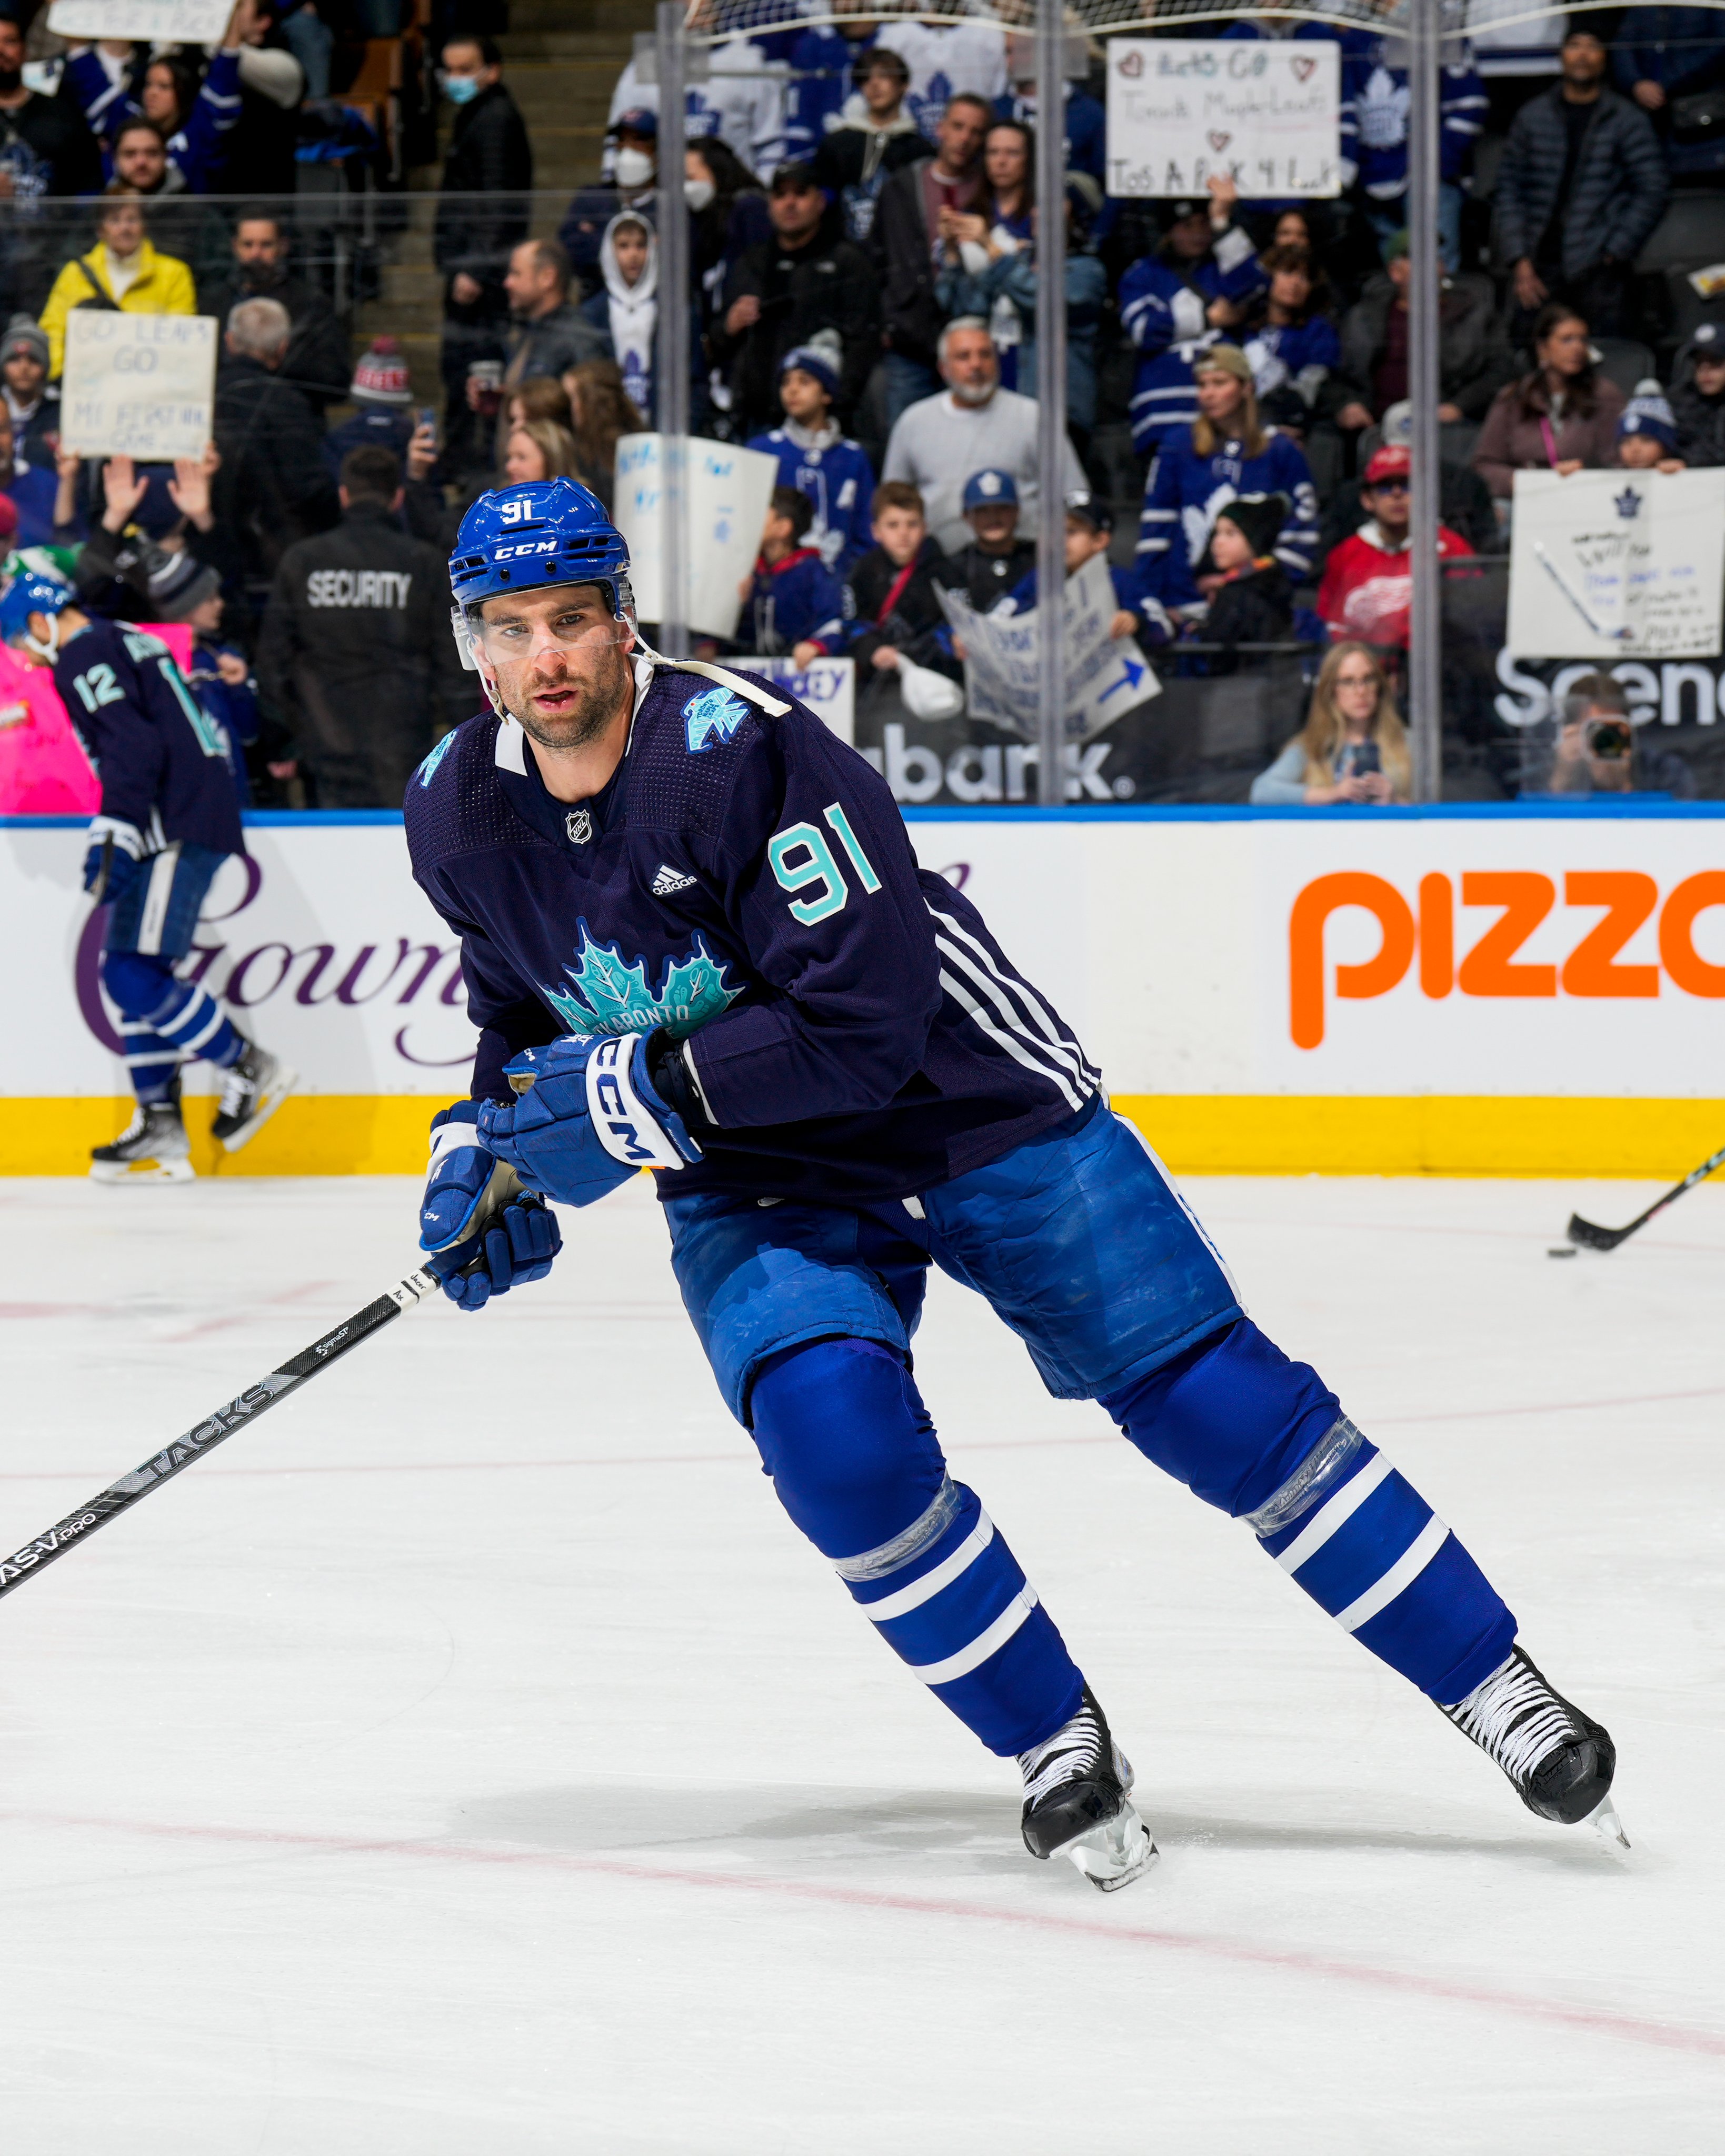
point(169, 818)
point(696, 939)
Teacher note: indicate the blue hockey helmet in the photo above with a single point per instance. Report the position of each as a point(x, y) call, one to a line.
point(542, 531)
point(32, 591)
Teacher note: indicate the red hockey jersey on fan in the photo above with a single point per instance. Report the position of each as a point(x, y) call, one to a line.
point(1365, 587)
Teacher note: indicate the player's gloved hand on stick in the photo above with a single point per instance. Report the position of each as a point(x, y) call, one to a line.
point(484, 1234)
point(115, 847)
point(590, 1119)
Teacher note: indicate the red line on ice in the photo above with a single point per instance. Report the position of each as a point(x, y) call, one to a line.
point(1662, 2035)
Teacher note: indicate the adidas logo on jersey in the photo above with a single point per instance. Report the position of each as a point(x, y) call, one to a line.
point(669, 880)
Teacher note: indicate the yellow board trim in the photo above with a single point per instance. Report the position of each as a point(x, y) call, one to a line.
point(1196, 1134)
point(1442, 1134)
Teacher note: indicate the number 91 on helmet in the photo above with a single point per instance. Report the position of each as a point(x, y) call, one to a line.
point(519, 540)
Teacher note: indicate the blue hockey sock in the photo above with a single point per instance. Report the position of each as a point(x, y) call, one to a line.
point(1263, 1438)
point(854, 1459)
point(185, 1017)
point(151, 1063)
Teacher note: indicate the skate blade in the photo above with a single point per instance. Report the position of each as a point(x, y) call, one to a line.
point(142, 1171)
point(1112, 1855)
point(1603, 1819)
point(263, 1108)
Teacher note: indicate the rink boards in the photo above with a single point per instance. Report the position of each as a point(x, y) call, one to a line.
point(1461, 991)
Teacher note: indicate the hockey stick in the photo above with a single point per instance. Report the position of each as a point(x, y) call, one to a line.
point(1594, 1237)
point(119, 1496)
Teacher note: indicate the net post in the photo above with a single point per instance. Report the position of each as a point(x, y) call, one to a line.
point(1425, 624)
point(671, 356)
point(1051, 404)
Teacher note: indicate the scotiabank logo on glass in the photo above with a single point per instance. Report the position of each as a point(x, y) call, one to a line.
point(1468, 935)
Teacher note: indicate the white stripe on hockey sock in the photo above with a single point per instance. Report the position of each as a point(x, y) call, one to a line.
point(944, 1573)
point(986, 1643)
point(1406, 1569)
point(154, 918)
point(1336, 1513)
point(211, 1025)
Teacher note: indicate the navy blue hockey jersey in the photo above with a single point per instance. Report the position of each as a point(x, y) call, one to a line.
point(160, 757)
point(746, 880)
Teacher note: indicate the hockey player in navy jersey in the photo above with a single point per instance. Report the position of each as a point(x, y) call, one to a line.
point(696, 940)
point(815, 457)
point(169, 818)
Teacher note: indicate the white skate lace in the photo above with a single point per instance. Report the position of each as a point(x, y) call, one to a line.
point(236, 1090)
point(1516, 1718)
point(1075, 1750)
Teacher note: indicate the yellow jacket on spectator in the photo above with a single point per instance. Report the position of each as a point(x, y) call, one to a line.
point(161, 286)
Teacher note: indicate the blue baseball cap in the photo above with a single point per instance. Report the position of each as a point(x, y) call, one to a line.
point(991, 489)
point(639, 120)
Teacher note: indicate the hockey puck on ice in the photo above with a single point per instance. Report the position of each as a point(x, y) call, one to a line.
point(1562, 1250)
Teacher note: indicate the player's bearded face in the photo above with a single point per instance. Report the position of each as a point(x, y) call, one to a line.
point(561, 662)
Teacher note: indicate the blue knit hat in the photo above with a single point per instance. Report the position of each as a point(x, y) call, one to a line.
point(812, 359)
point(1647, 413)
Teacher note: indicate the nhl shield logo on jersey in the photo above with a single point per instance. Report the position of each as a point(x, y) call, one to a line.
point(610, 995)
point(714, 715)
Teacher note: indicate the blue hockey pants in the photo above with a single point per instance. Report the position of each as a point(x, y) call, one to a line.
point(1084, 1247)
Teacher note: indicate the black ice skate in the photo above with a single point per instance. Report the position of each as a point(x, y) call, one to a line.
point(252, 1091)
point(1075, 1788)
point(1559, 1763)
point(153, 1147)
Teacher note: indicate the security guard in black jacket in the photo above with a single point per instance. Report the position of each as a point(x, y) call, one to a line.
point(356, 657)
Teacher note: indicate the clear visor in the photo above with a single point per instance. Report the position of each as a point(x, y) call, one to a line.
point(577, 618)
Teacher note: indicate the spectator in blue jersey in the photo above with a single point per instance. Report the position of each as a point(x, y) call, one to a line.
point(994, 275)
point(1086, 124)
point(1226, 451)
point(894, 591)
point(794, 602)
point(815, 457)
point(1178, 303)
point(870, 137)
point(1374, 133)
point(1089, 527)
point(1671, 62)
point(823, 65)
point(192, 118)
point(1291, 336)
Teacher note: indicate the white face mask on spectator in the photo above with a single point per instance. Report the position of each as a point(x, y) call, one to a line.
point(634, 168)
point(697, 193)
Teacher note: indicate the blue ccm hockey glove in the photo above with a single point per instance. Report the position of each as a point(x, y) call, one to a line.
point(590, 1118)
point(485, 1234)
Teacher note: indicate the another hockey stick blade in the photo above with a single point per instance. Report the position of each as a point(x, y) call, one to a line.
point(173, 1459)
point(1592, 1237)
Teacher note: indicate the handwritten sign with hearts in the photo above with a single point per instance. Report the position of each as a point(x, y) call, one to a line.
point(1264, 114)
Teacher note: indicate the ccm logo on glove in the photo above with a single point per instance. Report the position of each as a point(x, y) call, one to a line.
point(627, 1128)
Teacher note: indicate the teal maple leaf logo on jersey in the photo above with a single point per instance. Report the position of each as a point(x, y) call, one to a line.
point(612, 996)
point(714, 715)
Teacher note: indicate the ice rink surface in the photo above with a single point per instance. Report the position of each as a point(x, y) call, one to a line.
point(471, 1757)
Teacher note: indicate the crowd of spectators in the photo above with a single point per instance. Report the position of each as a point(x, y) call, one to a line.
point(862, 229)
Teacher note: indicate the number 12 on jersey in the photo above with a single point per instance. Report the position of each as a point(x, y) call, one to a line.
point(800, 857)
